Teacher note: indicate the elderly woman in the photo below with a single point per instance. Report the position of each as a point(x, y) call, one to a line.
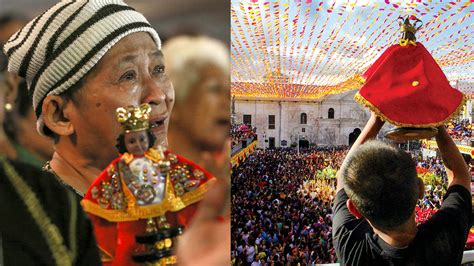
point(82, 60)
point(199, 69)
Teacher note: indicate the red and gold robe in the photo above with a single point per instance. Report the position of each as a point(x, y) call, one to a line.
point(116, 216)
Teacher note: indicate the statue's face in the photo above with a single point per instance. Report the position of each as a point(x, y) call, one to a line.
point(136, 143)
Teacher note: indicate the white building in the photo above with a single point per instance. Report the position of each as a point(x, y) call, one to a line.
point(333, 120)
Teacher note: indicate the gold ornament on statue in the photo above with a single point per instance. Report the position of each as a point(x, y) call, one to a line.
point(134, 118)
point(8, 107)
point(409, 30)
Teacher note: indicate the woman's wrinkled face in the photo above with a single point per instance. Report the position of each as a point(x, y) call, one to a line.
point(137, 142)
point(132, 72)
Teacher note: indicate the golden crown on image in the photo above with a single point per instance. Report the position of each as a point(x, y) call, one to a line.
point(134, 118)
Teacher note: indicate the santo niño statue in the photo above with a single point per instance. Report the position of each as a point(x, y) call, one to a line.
point(144, 198)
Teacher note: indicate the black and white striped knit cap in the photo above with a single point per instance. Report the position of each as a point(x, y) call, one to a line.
point(59, 47)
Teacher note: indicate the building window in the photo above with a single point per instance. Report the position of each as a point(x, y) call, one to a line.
point(303, 118)
point(271, 122)
point(331, 113)
point(303, 130)
point(248, 120)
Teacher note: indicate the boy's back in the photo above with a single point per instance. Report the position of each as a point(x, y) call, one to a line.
point(439, 241)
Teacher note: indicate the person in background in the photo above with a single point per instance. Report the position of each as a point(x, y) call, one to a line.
point(199, 130)
point(20, 120)
point(42, 223)
point(9, 24)
point(6, 146)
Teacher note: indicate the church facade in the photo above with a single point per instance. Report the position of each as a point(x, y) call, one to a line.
point(333, 120)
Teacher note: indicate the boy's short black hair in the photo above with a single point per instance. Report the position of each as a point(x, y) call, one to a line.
point(381, 181)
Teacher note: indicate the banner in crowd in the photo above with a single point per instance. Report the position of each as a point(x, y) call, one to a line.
point(242, 155)
point(431, 144)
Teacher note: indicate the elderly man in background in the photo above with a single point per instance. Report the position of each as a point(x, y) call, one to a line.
point(199, 129)
point(82, 60)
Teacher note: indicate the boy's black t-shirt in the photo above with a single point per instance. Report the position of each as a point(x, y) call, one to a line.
point(439, 241)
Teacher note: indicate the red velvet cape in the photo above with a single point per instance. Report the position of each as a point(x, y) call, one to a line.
point(115, 230)
point(406, 87)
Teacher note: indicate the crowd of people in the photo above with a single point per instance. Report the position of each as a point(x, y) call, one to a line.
point(435, 188)
point(431, 170)
point(431, 164)
point(460, 130)
point(240, 132)
point(281, 211)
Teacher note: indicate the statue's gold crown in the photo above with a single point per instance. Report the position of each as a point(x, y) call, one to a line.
point(134, 118)
point(406, 26)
